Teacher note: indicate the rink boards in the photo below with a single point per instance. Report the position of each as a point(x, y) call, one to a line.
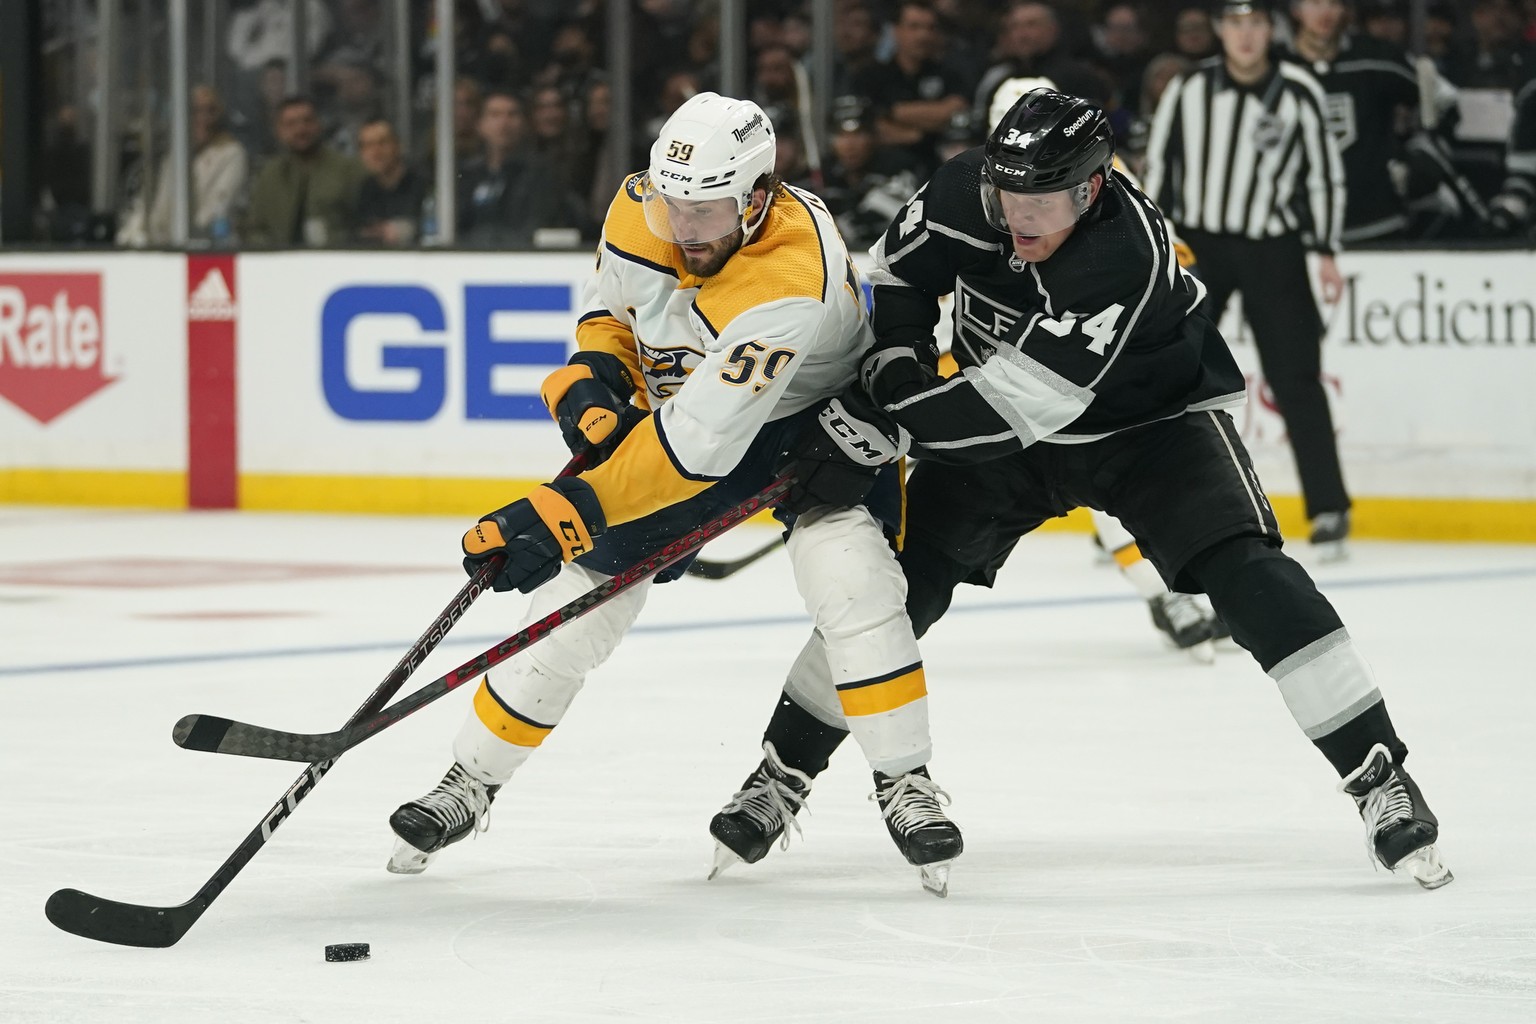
point(408, 383)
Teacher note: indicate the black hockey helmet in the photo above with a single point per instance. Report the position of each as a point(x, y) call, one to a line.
point(1047, 142)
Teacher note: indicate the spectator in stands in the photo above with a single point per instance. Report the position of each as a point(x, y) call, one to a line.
point(597, 177)
point(306, 195)
point(355, 85)
point(914, 96)
point(864, 184)
point(1121, 50)
point(1193, 38)
point(390, 199)
point(1029, 46)
point(218, 180)
point(1373, 100)
point(855, 36)
point(66, 180)
point(1160, 71)
point(571, 65)
point(263, 32)
point(774, 85)
point(1385, 21)
point(507, 193)
point(1491, 58)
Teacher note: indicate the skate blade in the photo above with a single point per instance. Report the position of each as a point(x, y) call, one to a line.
point(1203, 653)
point(935, 877)
point(724, 858)
point(1427, 868)
point(1330, 551)
point(407, 860)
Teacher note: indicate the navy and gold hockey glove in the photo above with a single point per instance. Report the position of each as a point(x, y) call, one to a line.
point(538, 534)
point(589, 398)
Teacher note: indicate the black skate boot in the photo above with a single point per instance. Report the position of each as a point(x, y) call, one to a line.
point(457, 806)
point(910, 805)
point(1329, 531)
point(1400, 829)
point(747, 827)
point(1184, 622)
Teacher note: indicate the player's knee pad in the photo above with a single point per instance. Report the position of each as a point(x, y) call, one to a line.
point(1267, 599)
point(846, 573)
point(809, 684)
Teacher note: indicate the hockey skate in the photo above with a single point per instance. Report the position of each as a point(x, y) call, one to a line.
point(1329, 530)
point(910, 805)
point(747, 827)
point(457, 806)
point(1188, 625)
point(1400, 829)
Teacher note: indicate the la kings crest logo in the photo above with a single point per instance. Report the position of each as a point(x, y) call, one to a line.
point(1339, 112)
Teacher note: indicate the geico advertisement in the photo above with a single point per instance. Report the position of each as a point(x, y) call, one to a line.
point(403, 364)
point(93, 362)
point(1429, 360)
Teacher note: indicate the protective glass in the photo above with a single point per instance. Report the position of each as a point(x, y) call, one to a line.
point(1031, 213)
point(687, 221)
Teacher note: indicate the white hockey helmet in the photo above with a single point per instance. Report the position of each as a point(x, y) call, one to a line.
point(704, 163)
point(1009, 92)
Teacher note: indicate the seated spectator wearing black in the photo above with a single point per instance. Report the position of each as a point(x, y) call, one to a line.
point(1373, 95)
point(1491, 58)
point(855, 38)
point(864, 184)
point(1514, 208)
point(507, 193)
point(914, 95)
point(389, 202)
point(1029, 46)
point(1193, 37)
point(1120, 45)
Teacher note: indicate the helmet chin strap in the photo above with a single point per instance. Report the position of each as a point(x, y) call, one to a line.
point(749, 228)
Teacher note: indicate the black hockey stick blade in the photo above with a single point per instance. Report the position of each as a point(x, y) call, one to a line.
point(126, 924)
point(707, 569)
point(223, 736)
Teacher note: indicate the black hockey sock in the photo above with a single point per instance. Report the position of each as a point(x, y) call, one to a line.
point(802, 741)
point(1347, 746)
point(1267, 599)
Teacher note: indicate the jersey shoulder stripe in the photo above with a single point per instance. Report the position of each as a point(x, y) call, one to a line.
point(626, 235)
point(787, 260)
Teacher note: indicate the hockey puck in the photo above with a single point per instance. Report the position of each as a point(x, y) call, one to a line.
point(344, 951)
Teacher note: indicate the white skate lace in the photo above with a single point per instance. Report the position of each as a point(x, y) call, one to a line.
point(457, 799)
point(771, 803)
point(1385, 805)
point(912, 802)
point(1182, 610)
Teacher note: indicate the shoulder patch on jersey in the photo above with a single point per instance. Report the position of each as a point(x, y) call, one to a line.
point(626, 233)
point(632, 185)
point(787, 260)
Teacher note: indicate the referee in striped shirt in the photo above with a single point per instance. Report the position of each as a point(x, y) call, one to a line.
point(1240, 158)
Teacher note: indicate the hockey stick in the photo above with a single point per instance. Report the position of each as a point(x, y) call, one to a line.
point(224, 736)
point(706, 569)
point(132, 924)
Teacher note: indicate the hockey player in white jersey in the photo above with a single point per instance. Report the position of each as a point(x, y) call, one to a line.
point(722, 321)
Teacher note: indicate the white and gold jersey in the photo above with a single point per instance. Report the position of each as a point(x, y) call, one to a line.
point(781, 327)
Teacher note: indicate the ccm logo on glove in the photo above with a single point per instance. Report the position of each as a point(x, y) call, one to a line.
point(862, 442)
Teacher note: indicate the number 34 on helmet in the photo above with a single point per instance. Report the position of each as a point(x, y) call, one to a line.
point(705, 164)
point(1040, 160)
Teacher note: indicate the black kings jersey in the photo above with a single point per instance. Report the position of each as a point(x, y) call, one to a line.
point(1367, 86)
point(1103, 336)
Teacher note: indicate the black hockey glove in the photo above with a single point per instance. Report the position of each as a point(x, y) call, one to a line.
point(538, 534)
point(589, 398)
point(890, 375)
point(837, 458)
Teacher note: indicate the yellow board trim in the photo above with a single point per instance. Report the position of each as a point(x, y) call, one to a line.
point(887, 696)
point(504, 726)
point(99, 487)
point(1487, 520)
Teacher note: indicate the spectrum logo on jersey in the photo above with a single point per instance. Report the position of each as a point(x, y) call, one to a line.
point(409, 377)
point(51, 342)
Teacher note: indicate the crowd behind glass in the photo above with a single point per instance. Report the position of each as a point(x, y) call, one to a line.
point(348, 160)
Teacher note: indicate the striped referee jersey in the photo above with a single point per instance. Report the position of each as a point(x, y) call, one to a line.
point(1255, 161)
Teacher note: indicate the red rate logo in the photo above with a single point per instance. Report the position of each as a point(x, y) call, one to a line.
point(51, 342)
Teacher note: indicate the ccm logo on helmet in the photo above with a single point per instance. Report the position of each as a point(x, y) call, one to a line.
point(1017, 172)
point(674, 175)
point(1072, 128)
point(748, 128)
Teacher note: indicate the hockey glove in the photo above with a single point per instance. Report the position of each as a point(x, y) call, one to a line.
point(837, 458)
point(589, 398)
point(890, 375)
point(538, 534)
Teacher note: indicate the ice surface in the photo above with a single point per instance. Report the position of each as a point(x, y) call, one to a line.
point(1147, 839)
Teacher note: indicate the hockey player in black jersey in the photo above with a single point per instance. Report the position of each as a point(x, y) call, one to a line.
point(1089, 377)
